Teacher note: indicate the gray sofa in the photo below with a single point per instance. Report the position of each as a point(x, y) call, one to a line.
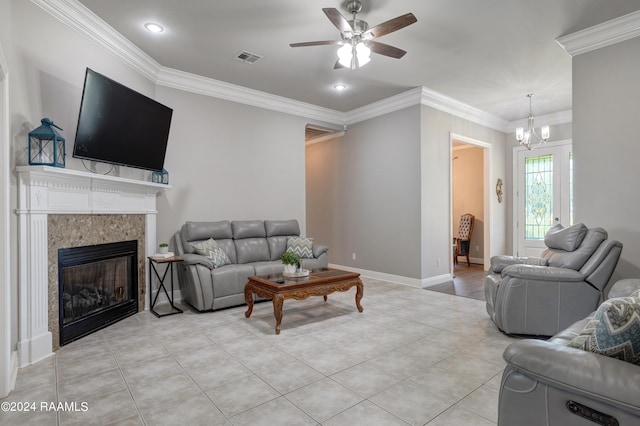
point(546, 382)
point(541, 296)
point(254, 247)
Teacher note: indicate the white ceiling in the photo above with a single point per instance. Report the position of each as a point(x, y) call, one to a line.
point(486, 53)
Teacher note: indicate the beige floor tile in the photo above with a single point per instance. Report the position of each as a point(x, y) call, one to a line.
point(240, 395)
point(483, 401)
point(71, 354)
point(149, 369)
point(400, 364)
point(288, 377)
point(100, 409)
point(411, 403)
point(142, 352)
point(276, 412)
point(456, 416)
point(160, 391)
point(365, 379)
point(202, 356)
point(447, 384)
point(196, 411)
point(83, 387)
point(330, 361)
point(364, 414)
point(472, 367)
point(223, 370)
point(323, 399)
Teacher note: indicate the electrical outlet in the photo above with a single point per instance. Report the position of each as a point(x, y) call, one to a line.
point(477, 248)
point(353, 256)
point(438, 262)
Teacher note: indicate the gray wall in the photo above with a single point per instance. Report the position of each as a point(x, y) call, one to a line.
point(383, 191)
point(606, 113)
point(363, 194)
point(230, 161)
point(436, 128)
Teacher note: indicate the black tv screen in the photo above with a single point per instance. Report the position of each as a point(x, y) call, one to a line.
point(120, 126)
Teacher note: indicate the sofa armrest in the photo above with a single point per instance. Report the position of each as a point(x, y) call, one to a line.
point(584, 373)
point(318, 249)
point(197, 259)
point(542, 273)
point(498, 263)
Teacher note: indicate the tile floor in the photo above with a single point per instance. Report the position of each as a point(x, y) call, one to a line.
point(412, 357)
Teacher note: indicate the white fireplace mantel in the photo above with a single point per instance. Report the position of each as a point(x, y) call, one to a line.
point(44, 190)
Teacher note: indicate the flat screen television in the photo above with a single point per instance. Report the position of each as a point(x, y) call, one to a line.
point(120, 126)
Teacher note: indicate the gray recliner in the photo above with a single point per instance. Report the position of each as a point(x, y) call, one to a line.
point(541, 296)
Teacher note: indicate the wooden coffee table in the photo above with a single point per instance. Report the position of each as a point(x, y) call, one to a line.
point(320, 282)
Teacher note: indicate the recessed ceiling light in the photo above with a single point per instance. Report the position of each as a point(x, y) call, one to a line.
point(154, 28)
point(339, 87)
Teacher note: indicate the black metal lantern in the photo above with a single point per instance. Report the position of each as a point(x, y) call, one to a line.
point(160, 177)
point(46, 146)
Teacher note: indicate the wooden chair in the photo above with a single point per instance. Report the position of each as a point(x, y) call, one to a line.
point(463, 238)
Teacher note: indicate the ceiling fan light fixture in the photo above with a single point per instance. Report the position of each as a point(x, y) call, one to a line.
point(354, 57)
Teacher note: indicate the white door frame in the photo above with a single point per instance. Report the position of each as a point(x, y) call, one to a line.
point(516, 178)
point(486, 160)
point(7, 373)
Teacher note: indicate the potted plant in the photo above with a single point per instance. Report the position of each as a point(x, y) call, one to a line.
point(163, 248)
point(291, 262)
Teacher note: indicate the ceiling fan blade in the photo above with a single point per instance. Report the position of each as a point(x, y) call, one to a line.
point(385, 49)
point(337, 19)
point(390, 26)
point(315, 43)
point(338, 65)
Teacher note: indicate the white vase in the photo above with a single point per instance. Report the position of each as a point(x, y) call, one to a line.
point(163, 249)
point(289, 269)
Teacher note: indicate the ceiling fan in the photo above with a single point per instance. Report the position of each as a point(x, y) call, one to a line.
point(357, 38)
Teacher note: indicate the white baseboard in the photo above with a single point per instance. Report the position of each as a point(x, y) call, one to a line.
point(397, 279)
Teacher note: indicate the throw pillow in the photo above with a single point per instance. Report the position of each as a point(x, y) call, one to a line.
point(567, 239)
point(303, 247)
point(614, 330)
point(205, 247)
point(219, 257)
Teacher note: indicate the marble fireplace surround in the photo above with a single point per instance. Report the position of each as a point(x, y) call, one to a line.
point(51, 199)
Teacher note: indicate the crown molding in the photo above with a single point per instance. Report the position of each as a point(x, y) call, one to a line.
point(81, 19)
point(77, 16)
point(384, 106)
point(562, 117)
point(605, 34)
point(181, 80)
point(444, 103)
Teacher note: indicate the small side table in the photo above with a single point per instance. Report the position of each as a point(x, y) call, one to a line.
point(169, 261)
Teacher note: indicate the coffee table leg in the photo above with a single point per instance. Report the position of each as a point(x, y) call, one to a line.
point(278, 300)
point(359, 294)
point(325, 298)
point(248, 297)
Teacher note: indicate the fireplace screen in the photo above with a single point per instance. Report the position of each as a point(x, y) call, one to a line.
point(98, 286)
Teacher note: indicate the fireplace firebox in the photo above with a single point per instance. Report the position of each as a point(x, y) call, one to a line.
point(97, 286)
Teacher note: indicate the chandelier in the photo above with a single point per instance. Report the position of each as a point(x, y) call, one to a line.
point(529, 138)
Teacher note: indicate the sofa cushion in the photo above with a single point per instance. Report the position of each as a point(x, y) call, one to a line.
point(275, 228)
point(614, 330)
point(303, 247)
point(248, 229)
point(252, 250)
point(567, 239)
point(277, 247)
point(198, 231)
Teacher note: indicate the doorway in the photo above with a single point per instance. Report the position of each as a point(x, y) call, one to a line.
point(470, 177)
point(543, 194)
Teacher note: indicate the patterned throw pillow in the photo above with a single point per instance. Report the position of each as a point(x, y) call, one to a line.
point(303, 247)
point(614, 330)
point(219, 257)
point(205, 247)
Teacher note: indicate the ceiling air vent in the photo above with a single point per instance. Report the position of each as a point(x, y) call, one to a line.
point(248, 57)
